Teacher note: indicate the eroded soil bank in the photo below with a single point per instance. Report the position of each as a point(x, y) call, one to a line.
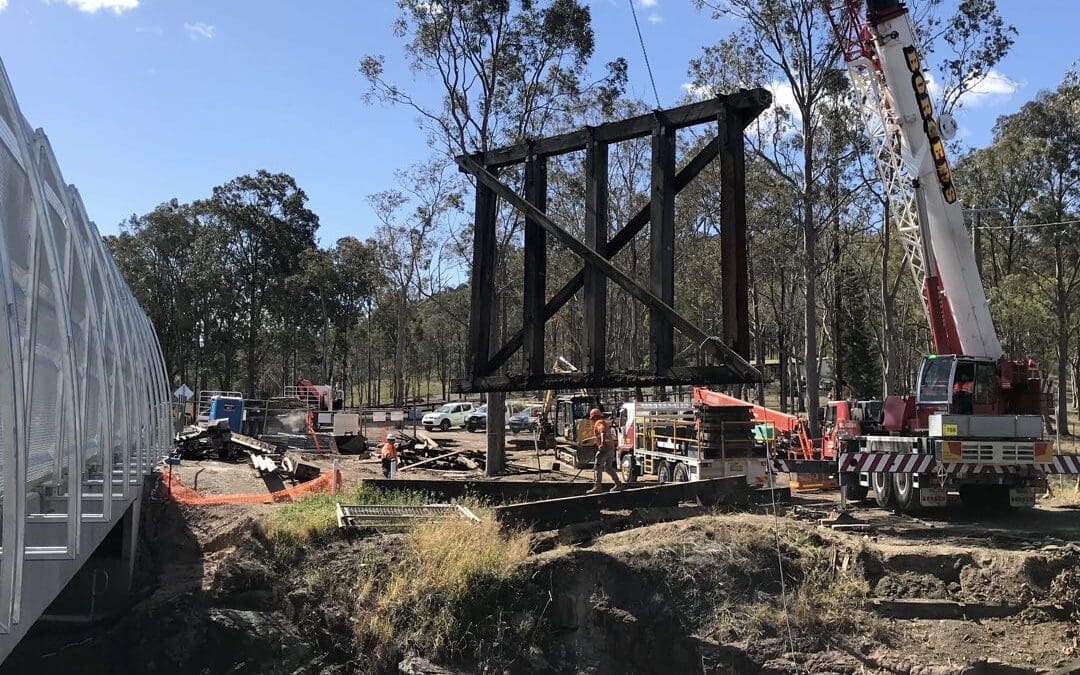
point(222, 594)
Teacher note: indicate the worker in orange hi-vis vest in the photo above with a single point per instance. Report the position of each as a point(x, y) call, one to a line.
point(388, 455)
point(605, 453)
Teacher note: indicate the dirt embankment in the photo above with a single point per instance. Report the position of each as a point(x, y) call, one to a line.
point(722, 593)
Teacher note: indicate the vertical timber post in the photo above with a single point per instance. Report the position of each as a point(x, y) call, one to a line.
point(535, 290)
point(483, 283)
point(662, 243)
point(596, 235)
point(734, 275)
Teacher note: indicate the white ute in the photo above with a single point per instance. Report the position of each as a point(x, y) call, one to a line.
point(450, 415)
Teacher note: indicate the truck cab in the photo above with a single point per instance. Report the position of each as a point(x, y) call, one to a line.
point(841, 420)
point(958, 385)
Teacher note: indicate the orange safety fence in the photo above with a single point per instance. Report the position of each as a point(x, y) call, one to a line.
point(174, 489)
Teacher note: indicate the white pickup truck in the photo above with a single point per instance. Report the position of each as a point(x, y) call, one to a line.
point(450, 415)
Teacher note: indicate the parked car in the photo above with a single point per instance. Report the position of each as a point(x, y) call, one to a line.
point(477, 419)
point(450, 415)
point(524, 420)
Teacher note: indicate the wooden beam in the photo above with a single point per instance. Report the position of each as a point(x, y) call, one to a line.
point(662, 246)
point(596, 234)
point(535, 269)
point(621, 239)
point(751, 102)
point(560, 511)
point(591, 257)
point(483, 282)
point(677, 375)
point(734, 275)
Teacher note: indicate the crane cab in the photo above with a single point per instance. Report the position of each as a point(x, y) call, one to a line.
point(958, 385)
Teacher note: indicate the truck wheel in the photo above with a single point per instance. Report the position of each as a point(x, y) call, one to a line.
point(853, 492)
point(444, 425)
point(883, 489)
point(663, 472)
point(905, 492)
point(627, 466)
point(681, 474)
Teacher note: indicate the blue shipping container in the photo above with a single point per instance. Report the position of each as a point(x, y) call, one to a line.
point(232, 409)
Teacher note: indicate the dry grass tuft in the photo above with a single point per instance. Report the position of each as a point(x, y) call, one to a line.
point(442, 597)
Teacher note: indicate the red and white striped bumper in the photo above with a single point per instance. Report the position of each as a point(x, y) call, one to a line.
point(1062, 464)
point(887, 462)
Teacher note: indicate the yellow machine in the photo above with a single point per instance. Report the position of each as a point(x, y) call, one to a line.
point(564, 424)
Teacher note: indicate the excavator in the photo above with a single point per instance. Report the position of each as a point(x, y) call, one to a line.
point(564, 425)
point(974, 424)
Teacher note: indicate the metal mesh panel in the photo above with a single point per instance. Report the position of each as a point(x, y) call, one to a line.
point(83, 397)
point(42, 463)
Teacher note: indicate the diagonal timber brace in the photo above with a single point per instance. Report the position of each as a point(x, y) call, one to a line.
point(598, 261)
point(616, 244)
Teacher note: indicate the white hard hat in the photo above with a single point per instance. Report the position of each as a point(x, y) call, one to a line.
point(391, 436)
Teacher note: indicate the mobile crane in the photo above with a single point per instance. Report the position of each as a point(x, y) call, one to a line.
point(974, 424)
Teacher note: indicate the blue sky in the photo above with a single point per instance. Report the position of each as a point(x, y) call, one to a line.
point(146, 100)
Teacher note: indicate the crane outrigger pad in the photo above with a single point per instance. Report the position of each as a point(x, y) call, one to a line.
point(717, 360)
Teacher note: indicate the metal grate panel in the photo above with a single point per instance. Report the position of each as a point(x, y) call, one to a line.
point(385, 516)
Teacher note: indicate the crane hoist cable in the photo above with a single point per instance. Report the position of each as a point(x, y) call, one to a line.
point(645, 53)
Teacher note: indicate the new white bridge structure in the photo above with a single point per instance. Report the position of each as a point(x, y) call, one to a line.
point(84, 404)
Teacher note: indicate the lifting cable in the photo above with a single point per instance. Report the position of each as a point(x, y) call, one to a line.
point(771, 472)
point(645, 53)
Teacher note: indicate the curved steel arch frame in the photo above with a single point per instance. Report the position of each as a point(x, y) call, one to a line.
point(84, 404)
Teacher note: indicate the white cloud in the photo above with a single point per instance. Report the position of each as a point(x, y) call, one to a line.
point(784, 97)
point(92, 6)
point(994, 84)
point(655, 18)
point(3, 5)
point(199, 31)
point(698, 92)
point(649, 3)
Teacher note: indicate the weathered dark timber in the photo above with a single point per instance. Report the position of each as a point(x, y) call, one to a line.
point(535, 271)
point(596, 234)
point(553, 513)
point(483, 283)
point(734, 271)
point(617, 243)
point(486, 368)
point(662, 247)
point(707, 342)
point(671, 376)
point(751, 102)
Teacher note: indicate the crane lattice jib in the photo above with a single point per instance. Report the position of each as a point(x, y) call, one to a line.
point(908, 151)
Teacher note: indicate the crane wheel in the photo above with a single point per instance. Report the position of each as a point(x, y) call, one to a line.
point(905, 494)
point(883, 489)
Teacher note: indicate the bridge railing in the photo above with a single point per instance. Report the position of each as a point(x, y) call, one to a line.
point(84, 406)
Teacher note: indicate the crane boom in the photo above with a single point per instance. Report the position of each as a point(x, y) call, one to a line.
point(883, 59)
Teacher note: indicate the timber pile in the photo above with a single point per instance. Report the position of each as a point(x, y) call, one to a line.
point(727, 430)
point(421, 451)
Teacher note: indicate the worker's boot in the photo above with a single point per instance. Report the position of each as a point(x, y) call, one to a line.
point(596, 489)
point(619, 487)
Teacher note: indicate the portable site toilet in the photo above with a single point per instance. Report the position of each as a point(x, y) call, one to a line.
point(228, 408)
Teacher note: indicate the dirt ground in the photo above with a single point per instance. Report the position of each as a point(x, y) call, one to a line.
point(1009, 583)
